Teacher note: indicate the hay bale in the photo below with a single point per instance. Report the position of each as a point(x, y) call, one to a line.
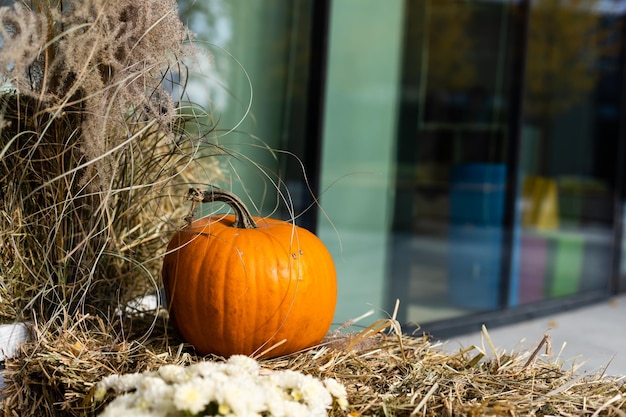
point(384, 373)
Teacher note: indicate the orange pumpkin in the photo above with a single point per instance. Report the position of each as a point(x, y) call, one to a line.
point(238, 284)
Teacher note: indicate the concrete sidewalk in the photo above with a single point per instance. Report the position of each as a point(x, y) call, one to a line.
point(595, 337)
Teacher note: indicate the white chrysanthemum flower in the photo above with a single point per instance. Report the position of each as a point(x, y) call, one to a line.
point(155, 390)
point(275, 399)
point(126, 405)
point(121, 383)
point(191, 396)
point(224, 410)
point(244, 363)
point(237, 387)
point(205, 369)
point(118, 406)
point(173, 373)
point(104, 386)
point(294, 409)
point(242, 395)
point(286, 379)
point(337, 390)
point(315, 395)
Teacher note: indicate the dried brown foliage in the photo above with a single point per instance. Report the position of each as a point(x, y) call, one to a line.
point(92, 147)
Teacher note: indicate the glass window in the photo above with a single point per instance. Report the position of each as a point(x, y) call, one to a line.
point(569, 148)
point(358, 148)
point(415, 146)
point(435, 193)
point(446, 252)
point(255, 81)
point(469, 152)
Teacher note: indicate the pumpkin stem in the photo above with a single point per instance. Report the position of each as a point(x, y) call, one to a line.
point(243, 218)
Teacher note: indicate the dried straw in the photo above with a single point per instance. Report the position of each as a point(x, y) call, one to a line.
point(385, 373)
point(96, 155)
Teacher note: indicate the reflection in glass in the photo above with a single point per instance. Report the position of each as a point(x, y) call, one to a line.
point(452, 142)
point(422, 142)
point(255, 78)
point(454, 155)
point(569, 141)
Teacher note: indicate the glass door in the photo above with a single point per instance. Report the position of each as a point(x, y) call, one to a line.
point(446, 253)
point(569, 149)
point(488, 213)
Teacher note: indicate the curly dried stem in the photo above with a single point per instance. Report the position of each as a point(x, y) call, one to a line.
point(243, 218)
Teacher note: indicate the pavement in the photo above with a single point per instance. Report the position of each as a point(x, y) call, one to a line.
point(592, 339)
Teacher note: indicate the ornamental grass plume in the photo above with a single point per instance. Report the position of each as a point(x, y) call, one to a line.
point(102, 61)
point(95, 136)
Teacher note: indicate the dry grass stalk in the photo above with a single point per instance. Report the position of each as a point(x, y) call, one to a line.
point(97, 150)
point(92, 148)
point(385, 374)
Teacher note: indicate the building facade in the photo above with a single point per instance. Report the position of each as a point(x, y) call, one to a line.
point(461, 157)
